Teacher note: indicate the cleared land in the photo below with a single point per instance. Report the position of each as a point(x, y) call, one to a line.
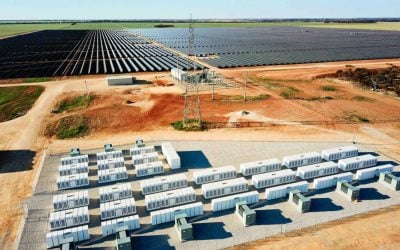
point(17, 101)
point(15, 29)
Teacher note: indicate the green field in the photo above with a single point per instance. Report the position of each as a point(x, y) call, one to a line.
point(17, 101)
point(15, 29)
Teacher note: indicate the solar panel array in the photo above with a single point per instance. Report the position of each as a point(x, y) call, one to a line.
point(83, 52)
point(236, 47)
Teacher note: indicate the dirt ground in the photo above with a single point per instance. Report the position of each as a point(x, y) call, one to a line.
point(120, 114)
point(375, 230)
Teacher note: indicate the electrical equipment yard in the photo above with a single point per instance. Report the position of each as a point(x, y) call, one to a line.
point(213, 230)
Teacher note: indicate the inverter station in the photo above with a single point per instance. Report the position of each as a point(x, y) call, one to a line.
point(69, 218)
point(142, 150)
point(370, 173)
point(358, 162)
point(118, 208)
point(273, 178)
point(144, 158)
point(162, 184)
point(170, 198)
point(70, 200)
point(116, 192)
point(111, 163)
point(147, 169)
point(74, 169)
point(214, 174)
point(339, 153)
point(226, 187)
point(111, 175)
point(317, 170)
point(259, 167)
point(294, 161)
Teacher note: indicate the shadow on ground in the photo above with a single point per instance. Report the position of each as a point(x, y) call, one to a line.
point(151, 242)
point(271, 217)
point(193, 159)
point(371, 194)
point(210, 231)
point(323, 205)
point(16, 160)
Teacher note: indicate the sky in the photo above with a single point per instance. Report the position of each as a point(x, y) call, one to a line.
point(200, 9)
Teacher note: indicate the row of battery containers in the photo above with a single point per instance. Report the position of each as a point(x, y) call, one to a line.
point(370, 173)
point(171, 155)
point(168, 215)
point(259, 167)
point(162, 184)
point(109, 227)
point(144, 158)
point(57, 238)
point(142, 150)
point(111, 175)
point(273, 178)
point(70, 200)
point(118, 208)
point(358, 162)
point(111, 163)
point(109, 155)
point(116, 192)
point(69, 218)
point(72, 181)
point(170, 198)
point(229, 202)
point(226, 187)
point(147, 169)
point(73, 169)
point(214, 174)
point(74, 160)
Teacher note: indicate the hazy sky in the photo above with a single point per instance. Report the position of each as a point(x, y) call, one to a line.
point(178, 9)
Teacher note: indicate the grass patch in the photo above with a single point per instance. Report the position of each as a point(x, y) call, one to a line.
point(74, 103)
point(72, 127)
point(361, 98)
point(319, 98)
point(329, 88)
point(356, 118)
point(289, 93)
point(192, 125)
point(17, 101)
point(36, 79)
point(269, 84)
point(240, 98)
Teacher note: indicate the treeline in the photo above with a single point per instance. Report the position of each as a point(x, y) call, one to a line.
point(387, 79)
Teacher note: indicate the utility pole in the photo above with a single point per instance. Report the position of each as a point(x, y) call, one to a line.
point(192, 112)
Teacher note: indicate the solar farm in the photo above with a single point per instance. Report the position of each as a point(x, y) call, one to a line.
point(178, 196)
point(238, 47)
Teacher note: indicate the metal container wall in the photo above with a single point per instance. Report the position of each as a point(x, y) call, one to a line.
point(74, 160)
point(170, 198)
point(317, 170)
point(331, 181)
point(171, 156)
point(299, 160)
point(273, 178)
point(147, 169)
point(111, 163)
point(109, 155)
point(214, 174)
point(358, 162)
point(168, 215)
point(334, 154)
point(69, 218)
point(109, 227)
point(259, 167)
point(111, 175)
point(162, 184)
point(116, 192)
point(70, 200)
point(229, 202)
point(144, 158)
point(226, 187)
point(143, 150)
point(73, 169)
point(118, 208)
point(72, 181)
point(282, 191)
point(57, 238)
point(370, 173)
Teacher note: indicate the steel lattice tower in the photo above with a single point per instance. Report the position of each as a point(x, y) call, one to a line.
point(192, 112)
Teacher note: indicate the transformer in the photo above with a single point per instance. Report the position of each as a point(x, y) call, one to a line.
point(75, 152)
point(122, 239)
point(390, 181)
point(247, 216)
point(347, 190)
point(302, 203)
point(183, 228)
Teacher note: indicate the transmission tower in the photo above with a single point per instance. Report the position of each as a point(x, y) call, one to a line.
point(192, 113)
